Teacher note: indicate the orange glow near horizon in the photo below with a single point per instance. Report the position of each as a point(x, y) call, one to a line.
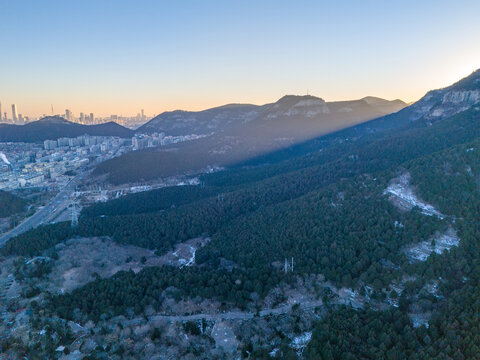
point(129, 106)
point(131, 57)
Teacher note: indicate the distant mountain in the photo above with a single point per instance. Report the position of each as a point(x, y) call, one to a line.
point(241, 132)
point(54, 127)
point(231, 116)
point(296, 118)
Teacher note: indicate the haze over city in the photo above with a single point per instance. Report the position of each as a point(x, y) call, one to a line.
point(118, 57)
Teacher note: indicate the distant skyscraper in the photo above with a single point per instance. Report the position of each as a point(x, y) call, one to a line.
point(91, 118)
point(1, 112)
point(82, 118)
point(14, 113)
point(143, 114)
point(68, 114)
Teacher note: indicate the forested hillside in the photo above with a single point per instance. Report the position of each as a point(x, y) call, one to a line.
point(150, 201)
point(10, 204)
point(448, 179)
point(346, 231)
point(272, 184)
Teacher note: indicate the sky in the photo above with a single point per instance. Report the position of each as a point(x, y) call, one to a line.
point(120, 56)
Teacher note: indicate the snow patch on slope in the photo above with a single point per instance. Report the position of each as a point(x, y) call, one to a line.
point(402, 195)
point(440, 243)
point(299, 343)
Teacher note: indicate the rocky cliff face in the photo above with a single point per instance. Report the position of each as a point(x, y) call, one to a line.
point(442, 103)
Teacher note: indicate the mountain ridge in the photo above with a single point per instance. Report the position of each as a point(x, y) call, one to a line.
point(253, 139)
point(225, 117)
point(243, 132)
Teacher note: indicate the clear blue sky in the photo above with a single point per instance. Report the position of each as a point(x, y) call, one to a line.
point(120, 56)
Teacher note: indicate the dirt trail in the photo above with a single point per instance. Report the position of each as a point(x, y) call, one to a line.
point(231, 315)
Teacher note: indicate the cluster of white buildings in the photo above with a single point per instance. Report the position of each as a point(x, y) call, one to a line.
point(142, 141)
point(54, 162)
point(84, 144)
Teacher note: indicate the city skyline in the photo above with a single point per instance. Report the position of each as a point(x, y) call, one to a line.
point(15, 117)
point(163, 56)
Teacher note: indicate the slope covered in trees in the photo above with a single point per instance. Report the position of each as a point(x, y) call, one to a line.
point(150, 201)
point(343, 232)
point(127, 290)
point(366, 334)
point(349, 334)
point(238, 195)
point(10, 204)
point(448, 179)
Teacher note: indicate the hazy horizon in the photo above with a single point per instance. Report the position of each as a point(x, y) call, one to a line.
point(126, 56)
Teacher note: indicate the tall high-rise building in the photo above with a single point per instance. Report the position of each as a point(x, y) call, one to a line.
point(82, 118)
point(143, 114)
point(68, 115)
point(1, 112)
point(91, 118)
point(14, 113)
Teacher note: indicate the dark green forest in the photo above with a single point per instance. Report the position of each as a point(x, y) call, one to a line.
point(366, 334)
point(10, 204)
point(274, 184)
point(150, 201)
point(126, 290)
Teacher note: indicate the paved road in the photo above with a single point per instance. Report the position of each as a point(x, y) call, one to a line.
point(53, 208)
point(49, 211)
point(232, 315)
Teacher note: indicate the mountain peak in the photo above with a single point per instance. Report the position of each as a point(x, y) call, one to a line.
point(298, 105)
point(298, 98)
